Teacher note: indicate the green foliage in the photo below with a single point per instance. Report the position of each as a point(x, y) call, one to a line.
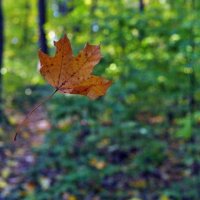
point(140, 141)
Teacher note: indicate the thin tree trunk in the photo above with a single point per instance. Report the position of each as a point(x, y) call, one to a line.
point(4, 122)
point(192, 76)
point(1, 61)
point(42, 21)
point(141, 5)
point(141, 10)
point(192, 104)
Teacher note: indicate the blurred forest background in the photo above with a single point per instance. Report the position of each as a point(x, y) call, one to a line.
point(141, 140)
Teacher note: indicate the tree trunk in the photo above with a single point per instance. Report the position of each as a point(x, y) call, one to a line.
point(1, 61)
point(141, 10)
point(4, 122)
point(192, 101)
point(141, 5)
point(41, 21)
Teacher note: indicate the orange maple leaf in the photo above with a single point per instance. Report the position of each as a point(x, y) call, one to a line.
point(70, 74)
point(73, 75)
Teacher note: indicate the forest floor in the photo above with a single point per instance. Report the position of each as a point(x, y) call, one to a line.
point(17, 156)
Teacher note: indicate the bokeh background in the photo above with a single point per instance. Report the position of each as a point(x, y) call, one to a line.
point(138, 142)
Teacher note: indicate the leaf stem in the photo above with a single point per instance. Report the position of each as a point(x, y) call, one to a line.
point(31, 112)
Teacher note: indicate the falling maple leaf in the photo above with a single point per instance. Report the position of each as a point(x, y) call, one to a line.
point(73, 75)
point(70, 74)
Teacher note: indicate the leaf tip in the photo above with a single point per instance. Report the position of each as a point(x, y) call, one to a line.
point(65, 35)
